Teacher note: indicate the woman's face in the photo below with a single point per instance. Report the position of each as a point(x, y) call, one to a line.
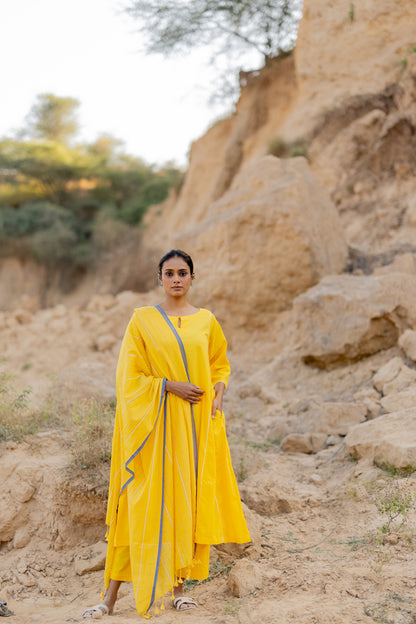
point(176, 277)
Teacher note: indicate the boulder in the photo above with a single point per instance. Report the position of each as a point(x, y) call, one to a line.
point(273, 234)
point(267, 496)
point(389, 439)
point(394, 377)
point(387, 373)
point(397, 401)
point(407, 342)
point(91, 559)
point(245, 577)
point(370, 399)
point(335, 417)
point(105, 342)
point(345, 317)
point(303, 443)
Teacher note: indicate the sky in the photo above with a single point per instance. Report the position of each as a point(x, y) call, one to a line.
point(88, 50)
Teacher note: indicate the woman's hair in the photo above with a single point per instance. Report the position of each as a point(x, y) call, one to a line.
point(177, 253)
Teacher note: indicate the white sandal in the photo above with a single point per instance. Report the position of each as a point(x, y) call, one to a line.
point(183, 603)
point(97, 611)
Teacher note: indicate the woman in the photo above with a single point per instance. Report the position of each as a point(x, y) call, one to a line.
point(172, 487)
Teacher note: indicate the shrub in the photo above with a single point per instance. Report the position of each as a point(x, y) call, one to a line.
point(393, 503)
point(283, 149)
point(32, 217)
point(90, 424)
point(15, 419)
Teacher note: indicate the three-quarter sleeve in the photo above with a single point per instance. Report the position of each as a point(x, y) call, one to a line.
point(219, 364)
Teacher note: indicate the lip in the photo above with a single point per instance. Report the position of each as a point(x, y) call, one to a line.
point(177, 287)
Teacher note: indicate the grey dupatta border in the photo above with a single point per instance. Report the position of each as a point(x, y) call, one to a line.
point(130, 459)
point(185, 362)
point(159, 549)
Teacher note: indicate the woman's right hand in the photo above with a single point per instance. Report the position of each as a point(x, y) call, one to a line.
point(185, 390)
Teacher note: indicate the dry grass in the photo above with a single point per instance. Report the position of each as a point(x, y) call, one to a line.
point(87, 424)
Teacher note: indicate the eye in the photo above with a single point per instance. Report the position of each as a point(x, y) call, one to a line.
point(183, 273)
point(168, 273)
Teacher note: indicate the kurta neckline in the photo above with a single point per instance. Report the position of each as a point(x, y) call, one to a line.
point(183, 315)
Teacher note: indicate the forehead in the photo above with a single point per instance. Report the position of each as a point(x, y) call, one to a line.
point(175, 263)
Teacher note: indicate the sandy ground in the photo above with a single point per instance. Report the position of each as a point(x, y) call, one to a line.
point(324, 562)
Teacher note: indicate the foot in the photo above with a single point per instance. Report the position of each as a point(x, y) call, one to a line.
point(183, 603)
point(97, 611)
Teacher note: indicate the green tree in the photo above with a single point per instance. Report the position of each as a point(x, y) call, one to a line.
point(263, 25)
point(41, 169)
point(53, 118)
point(65, 204)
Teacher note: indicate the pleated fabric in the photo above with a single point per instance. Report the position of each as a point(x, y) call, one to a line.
point(172, 487)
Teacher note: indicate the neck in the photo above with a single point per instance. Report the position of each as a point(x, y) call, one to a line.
point(178, 306)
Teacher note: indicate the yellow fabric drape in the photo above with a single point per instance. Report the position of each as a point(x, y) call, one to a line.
point(165, 508)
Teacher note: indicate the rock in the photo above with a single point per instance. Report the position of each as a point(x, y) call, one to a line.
point(397, 401)
point(245, 577)
point(59, 311)
point(277, 213)
point(309, 423)
point(336, 417)
point(27, 580)
point(370, 398)
point(346, 317)
point(387, 373)
point(23, 316)
point(23, 491)
point(403, 263)
point(407, 342)
point(303, 443)
point(30, 304)
point(360, 37)
point(100, 303)
point(394, 377)
point(21, 537)
point(8, 514)
point(105, 342)
point(91, 559)
point(389, 439)
point(333, 440)
point(267, 496)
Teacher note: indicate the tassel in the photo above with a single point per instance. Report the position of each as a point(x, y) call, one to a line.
point(162, 607)
point(147, 616)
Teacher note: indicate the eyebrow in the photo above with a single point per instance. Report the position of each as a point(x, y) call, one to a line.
point(181, 269)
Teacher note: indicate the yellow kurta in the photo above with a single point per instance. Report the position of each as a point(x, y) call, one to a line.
point(172, 487)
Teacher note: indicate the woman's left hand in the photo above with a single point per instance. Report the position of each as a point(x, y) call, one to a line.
point(217, 402)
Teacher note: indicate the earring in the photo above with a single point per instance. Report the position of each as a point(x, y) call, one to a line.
point(159, 281)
